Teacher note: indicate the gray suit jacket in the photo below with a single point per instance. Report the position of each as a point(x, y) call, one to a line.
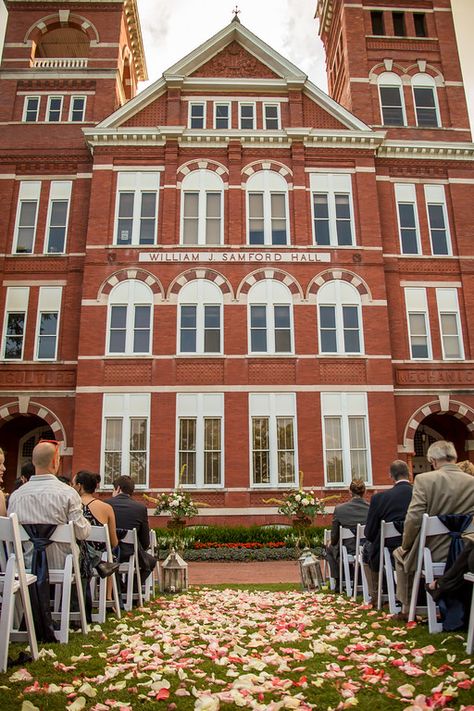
point(447, 490)
point(348, 515)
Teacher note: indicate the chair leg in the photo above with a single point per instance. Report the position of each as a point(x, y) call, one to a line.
point(130, 577)
point(63, 634)
point(6, 614)
point(356, 576)
point(470, 633)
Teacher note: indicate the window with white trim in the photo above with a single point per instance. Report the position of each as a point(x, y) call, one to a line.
point(267, 209)
point(47, 323)
point(271, 117)
point(270, 314)
point(199, 441)
point(247, 116)
point(340, 318)
point(407, 213)
point(425, 98)
point(437, 212)
point(449, 324)
point(129, 330)
point(345, 437)
point(333, 214)
point(54, 110)
point(77, 109)
point(200, 318)
point(273, 438)
point(125, 437)
point(14, 325)
point(202, 193)
point(26, 216)
point(58, 216)
point(197, 115)
point(137, 208)
point(392, 102)
point(222, 114)
point(418, 323)
point(31, 109)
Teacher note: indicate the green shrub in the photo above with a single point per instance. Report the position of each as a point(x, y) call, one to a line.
point(244, 534)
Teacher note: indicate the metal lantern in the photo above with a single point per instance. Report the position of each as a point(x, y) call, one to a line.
point(311, 578)
point(174, 573)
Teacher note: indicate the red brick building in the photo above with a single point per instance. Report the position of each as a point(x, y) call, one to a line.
point(232, 270)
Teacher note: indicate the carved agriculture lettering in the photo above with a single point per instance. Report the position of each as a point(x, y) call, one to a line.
point(408, 377)
point(35, 377)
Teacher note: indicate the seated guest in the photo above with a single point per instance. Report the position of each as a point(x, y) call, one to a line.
point(466, 466)
point(390, 506)
point(97, 512)
point(452, 593)
point(26, 473)
point(446, 490)
point(129, 514)
point(3, 506)
point(347, 515)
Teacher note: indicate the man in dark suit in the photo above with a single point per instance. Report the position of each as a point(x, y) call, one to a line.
point(129, 514)
point(390, 506)
point(347, 515)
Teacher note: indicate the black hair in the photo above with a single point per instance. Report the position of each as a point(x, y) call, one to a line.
point(88, 480)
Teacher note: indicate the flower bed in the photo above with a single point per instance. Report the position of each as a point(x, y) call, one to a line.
point(202, 546)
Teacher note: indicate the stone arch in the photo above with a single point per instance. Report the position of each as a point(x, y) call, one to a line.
point(141, 274)
point(21, 407)
point(270, 273)
point(456, 409)
point(60, 19)
point(199, 164)
point(422, 67)
point(335, 274)
point(382, 67)
point(192, 274)
point(274, 165)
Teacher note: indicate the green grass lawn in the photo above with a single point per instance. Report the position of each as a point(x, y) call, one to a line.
point(262, 647)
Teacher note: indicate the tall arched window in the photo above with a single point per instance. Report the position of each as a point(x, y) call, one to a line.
point(202, 208)
point(267, 209)
point(200, 318)
point(129, 319)
point(340, 320)
point(270, 327)
point(392, 104)
point(425, 99)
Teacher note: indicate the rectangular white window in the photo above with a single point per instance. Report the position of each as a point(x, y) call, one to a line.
point(271, 117)
point(200, 328)
point(391, 103)
point(58, 215)
point(200, 418)
point(222, 115)
point(31, 109)
point(197, 115)
point(14, 325)
point(137, 208)
point(26, 216)
point(418, 323)
point(208, 229)
point(47, 324)
point(438, 219)
point(247, 116)
point(333, 221)
point(77, 109)
point(273, 437)
point(54, 110)
point(125, 437)
point(273, 205)
point(345, 437)
point(409, 229)
point(427, 114)
point(450, 324)
point(270, 328)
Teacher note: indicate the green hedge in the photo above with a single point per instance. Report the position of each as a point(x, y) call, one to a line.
point(241, 554)
point(244, 534)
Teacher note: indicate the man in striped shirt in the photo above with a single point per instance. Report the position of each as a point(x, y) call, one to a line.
point(45, 499)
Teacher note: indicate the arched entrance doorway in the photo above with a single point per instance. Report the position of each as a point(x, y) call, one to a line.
point(18, 437)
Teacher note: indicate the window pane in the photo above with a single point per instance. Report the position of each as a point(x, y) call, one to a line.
point(113, 449)
point(118, 317)
point(138, 449)
point(258, 315)
point(406, 212)
point(246, 116)
point(32, 107)
point(350, 319)
point(377, 22)
point(187, 450)
point(425, 106)
point(321, 218)
point(197, 116)
point(188, 317)
point(118, 321)
point(26, 226)
point(78, 105)
point(278, 209)
point(439, 239)
point(125, 218)
point(392, 111)
point(212, 451)
point(188, 329)
point(399, 24)
point(333, 448)
point(261, 453)
point(417, 324)
point(141, 335)
point(14, 335)
point(54, 108)
point(282, 329)
point(358, 447)
point(222, 115)
point(327, 329)
point(282, 317)
point(191, 223)
point(47, 335)
point(191, 204)
point(57, 229)
point(258, 325)
point(213, 221)
point(256, 235)
point(450, 335)
point(420, 25)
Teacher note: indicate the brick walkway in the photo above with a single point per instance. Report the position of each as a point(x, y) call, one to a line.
point(213, 573)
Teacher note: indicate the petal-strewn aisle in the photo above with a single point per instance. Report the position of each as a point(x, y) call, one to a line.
point(256, 649)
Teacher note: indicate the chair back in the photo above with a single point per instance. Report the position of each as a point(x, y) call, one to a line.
point(10, 536)
point(346, 533)
point(388, 530)
point(100, 534)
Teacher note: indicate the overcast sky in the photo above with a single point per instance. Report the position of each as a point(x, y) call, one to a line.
point(172, 28)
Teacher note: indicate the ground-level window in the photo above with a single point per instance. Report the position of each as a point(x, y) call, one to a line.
point(199, 456)
point(273, 439)
point(125, 437)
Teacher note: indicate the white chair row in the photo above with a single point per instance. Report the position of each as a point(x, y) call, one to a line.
point(347, 559)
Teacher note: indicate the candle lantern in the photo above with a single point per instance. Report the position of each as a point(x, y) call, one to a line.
point(174, 573)
point(311, 578)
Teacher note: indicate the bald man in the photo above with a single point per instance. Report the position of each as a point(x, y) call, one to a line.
point(45, 499)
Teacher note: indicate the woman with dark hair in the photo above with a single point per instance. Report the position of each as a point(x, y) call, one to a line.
point(97, 512)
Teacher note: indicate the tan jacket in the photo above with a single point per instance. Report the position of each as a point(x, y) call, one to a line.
point(447, 490)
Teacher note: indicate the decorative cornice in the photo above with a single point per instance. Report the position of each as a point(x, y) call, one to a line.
point(136, 40)
point(431, 150)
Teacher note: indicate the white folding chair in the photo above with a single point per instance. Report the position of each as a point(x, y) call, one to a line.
point(345, 560)
point(100, 534)
point(14, 579)
point(470, 633)
point(387, 531)
point(130, 570)
point(359, 566)
point(153, 579)
point(425, 567)
point(326, 570)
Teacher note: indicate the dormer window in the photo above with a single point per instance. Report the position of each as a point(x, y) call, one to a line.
point(271, 117)
point(222, 115)
point(31, 109)
point(197, 115)
point(247, 116)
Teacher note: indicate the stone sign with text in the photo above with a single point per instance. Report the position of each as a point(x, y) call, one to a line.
point(235, 257)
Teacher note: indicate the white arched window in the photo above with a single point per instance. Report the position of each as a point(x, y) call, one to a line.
point(202, 208)
point(267, 209)
point(129, 319)
point(340, 322)
point(200, 318)
point(392, 103)
point(270, 328)
point(425, 99)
